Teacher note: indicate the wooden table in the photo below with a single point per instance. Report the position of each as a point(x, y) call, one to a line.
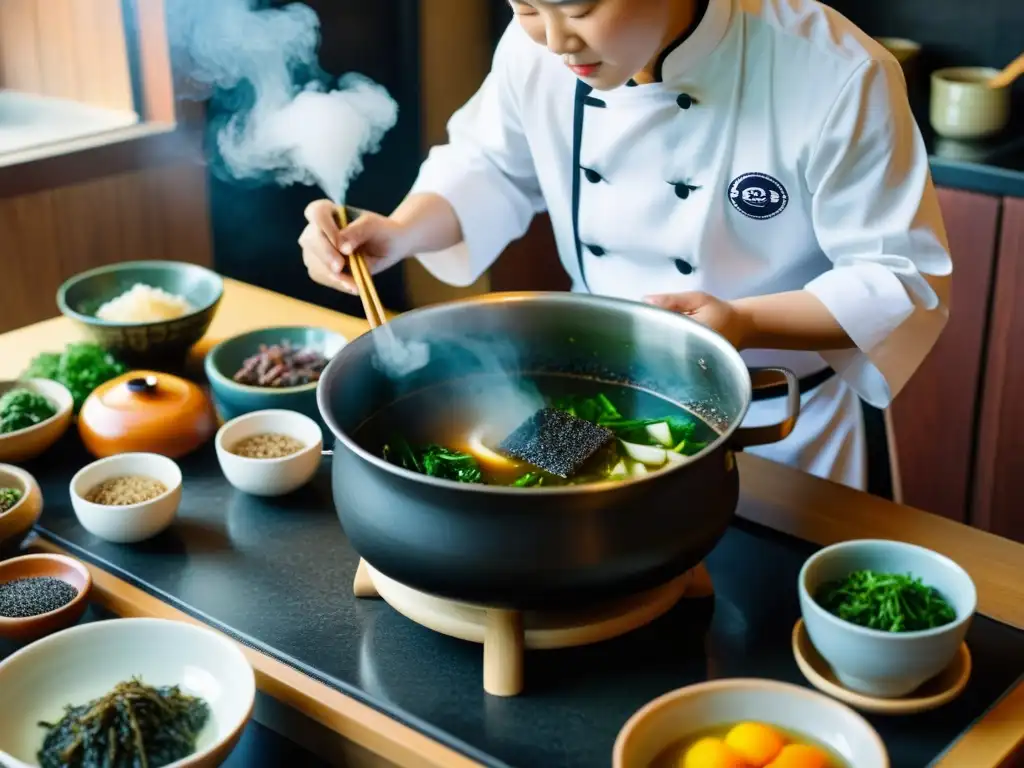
point(788, 501)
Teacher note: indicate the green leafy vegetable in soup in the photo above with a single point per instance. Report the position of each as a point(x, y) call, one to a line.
point(455, 449)
point(434, 461)
point(81, 367)
point(889, 602)
point(21, 408)
point(8, 498)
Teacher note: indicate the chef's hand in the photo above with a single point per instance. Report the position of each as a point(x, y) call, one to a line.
point(715, 313)
point(325, 246)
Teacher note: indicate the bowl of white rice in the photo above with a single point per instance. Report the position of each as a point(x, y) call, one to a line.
point(144, 312)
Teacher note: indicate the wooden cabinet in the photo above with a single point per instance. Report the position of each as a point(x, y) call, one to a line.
point(934, 417)
point(999, 468)
point(959, 423)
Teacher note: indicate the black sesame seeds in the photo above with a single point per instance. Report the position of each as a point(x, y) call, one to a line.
point(24, 598)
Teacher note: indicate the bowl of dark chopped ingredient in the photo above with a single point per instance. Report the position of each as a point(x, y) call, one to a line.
point(269, 453)
point(34, 414)
point(887, 616)
point(127, 498)
point(21, 503)
point(270, 368)
point(136, 692)
point(39, 595)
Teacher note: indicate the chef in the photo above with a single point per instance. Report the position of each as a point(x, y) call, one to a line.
point(753, 164)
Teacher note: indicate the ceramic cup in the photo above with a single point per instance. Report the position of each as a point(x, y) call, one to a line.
point(870, 661)
point(130, 523)
point(963, 106)
point(903, 50)
point(270, 477)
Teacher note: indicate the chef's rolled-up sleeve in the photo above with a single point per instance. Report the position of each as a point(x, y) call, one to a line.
point(485, 171)
point(877, 218)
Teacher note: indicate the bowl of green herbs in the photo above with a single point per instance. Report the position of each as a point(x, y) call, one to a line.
point(886, 615)
point(34, 414)
point(81, 366)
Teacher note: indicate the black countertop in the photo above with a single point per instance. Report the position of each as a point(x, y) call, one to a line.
point(278, 576)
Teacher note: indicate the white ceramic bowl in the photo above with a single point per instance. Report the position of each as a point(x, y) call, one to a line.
point(85, 662)
point(27, 444)
point(133, 522)
point(688, 711)
point(270, 477)
point(870, 661)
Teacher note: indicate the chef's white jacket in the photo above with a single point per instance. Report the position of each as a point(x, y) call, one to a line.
point(776, 152)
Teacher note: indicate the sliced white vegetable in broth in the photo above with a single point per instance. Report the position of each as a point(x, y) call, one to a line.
point(651, 455)
point(619, 470)
point(661, 433)
point(639, 469)
point(675, 458)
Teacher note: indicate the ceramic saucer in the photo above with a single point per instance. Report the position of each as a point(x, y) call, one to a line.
point(940, 690)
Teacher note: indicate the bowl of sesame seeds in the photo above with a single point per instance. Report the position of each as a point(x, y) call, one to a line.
point(271, 452)
point(41, 594)
point(127, 498)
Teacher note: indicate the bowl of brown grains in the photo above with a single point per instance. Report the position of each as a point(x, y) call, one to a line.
point(269, 453)
point(127, 498)
point(41, 594)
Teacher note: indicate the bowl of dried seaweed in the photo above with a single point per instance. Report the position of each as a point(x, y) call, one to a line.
point(152, 692)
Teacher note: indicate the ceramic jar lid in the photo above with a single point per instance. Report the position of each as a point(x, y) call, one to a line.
point(146, 411)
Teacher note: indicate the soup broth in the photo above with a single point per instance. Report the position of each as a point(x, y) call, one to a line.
point(748, 745)
point(453, 429)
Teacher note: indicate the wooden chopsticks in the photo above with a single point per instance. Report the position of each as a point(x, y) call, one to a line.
point(364, 282)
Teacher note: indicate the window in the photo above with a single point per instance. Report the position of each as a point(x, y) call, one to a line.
point(75, 74)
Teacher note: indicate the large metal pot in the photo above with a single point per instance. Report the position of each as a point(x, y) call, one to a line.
point(542, 547)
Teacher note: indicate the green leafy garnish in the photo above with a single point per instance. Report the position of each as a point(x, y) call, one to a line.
point(889, 602)
point(601, 411)
point(8, 498)
point(21, 408)
point(529, 480)
point(597, 410)
point(81, 367)
point(434, 461)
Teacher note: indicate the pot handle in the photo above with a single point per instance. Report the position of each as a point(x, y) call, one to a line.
point(747, 437)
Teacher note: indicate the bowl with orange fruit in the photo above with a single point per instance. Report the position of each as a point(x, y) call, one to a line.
point(747, 723)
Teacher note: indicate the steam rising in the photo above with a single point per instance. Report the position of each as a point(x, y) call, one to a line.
point(296, 129)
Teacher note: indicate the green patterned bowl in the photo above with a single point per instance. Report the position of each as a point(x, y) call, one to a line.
point(233, 399)
point(164, 342)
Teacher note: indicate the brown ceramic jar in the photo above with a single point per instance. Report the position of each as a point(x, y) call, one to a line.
point(148, 412)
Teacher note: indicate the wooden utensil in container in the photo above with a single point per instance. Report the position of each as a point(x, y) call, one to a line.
point(372, 306)
point(1011, 72)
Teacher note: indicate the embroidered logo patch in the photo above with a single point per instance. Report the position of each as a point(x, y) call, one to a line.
point(758, 196)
